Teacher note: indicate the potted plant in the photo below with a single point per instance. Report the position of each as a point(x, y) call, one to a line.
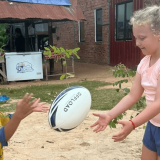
point(64, 54)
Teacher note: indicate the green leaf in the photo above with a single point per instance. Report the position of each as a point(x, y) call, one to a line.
point(58, 51)
point(131, 117)
point(1, 50)
point(112, 124)
point(70, 75)
point(76, 49)
point(48, 52)
point(69, 51)
point(67, 55)
point(120, 116)
point(119, 85)
point(64, 63)
point(76, 55)
point(117, 90)
point(62, 76)
point(144, 127)
point(116, 83)
point(123, 75)
point(53, 47)
point(46, 48)
point(62, 50)
point(127, 90)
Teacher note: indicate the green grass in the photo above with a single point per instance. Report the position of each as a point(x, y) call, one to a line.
point(104, 99)
point(8, 107)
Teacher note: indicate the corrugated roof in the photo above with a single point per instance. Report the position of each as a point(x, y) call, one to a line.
point(53, 2)
point(10, 11)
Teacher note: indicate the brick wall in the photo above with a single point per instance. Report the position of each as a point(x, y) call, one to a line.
point(64, 36)
point(67, 34)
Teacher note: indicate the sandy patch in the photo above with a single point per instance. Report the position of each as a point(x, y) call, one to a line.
point(35, 140)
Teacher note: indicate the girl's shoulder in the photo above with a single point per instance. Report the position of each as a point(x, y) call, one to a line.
point(145, 59)
point(143, 64)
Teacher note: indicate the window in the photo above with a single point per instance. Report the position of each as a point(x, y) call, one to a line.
point(123, 14)
point(81, 32)
point(98, 25)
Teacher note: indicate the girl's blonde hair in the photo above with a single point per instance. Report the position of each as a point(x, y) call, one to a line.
point(149, 15)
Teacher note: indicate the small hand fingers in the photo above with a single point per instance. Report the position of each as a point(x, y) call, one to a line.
point(45, 109)
point(35, 102)
point(118, 134)
point(42, 103)
point(93, 125)
point(99, 129)
point(103, 128)
point(119, 138)
point(27, 97)
point(96, 114)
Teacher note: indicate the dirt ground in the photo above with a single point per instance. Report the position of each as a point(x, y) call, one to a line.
point(83, 71)
point(35, 140)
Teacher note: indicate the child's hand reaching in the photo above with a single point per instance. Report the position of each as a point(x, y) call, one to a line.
point(102, 122)
point(41, 108)
point(124, 132)
point(25, 106)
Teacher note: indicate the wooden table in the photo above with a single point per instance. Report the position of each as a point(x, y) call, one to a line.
point(55, 56)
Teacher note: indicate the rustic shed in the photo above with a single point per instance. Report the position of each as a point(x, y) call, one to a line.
point(30, 12)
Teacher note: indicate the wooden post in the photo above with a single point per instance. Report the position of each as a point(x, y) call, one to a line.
point(50, 35)
point(26, 37)
point(11, 39)
point(36, 43)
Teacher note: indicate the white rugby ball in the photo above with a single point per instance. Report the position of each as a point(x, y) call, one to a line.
point(69, 108)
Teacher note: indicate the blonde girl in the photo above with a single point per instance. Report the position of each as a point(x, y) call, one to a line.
point(146, 30)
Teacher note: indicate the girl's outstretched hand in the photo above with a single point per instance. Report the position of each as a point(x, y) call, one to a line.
point(124, 132)
point(102, 122)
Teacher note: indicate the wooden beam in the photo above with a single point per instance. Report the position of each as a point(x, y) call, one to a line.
point(26, 37)
point(11, 38)
point(50, 36)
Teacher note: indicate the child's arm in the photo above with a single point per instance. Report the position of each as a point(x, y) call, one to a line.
point(3, 120)
point(148, 113)
point(127, 102)
point(24, 107)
